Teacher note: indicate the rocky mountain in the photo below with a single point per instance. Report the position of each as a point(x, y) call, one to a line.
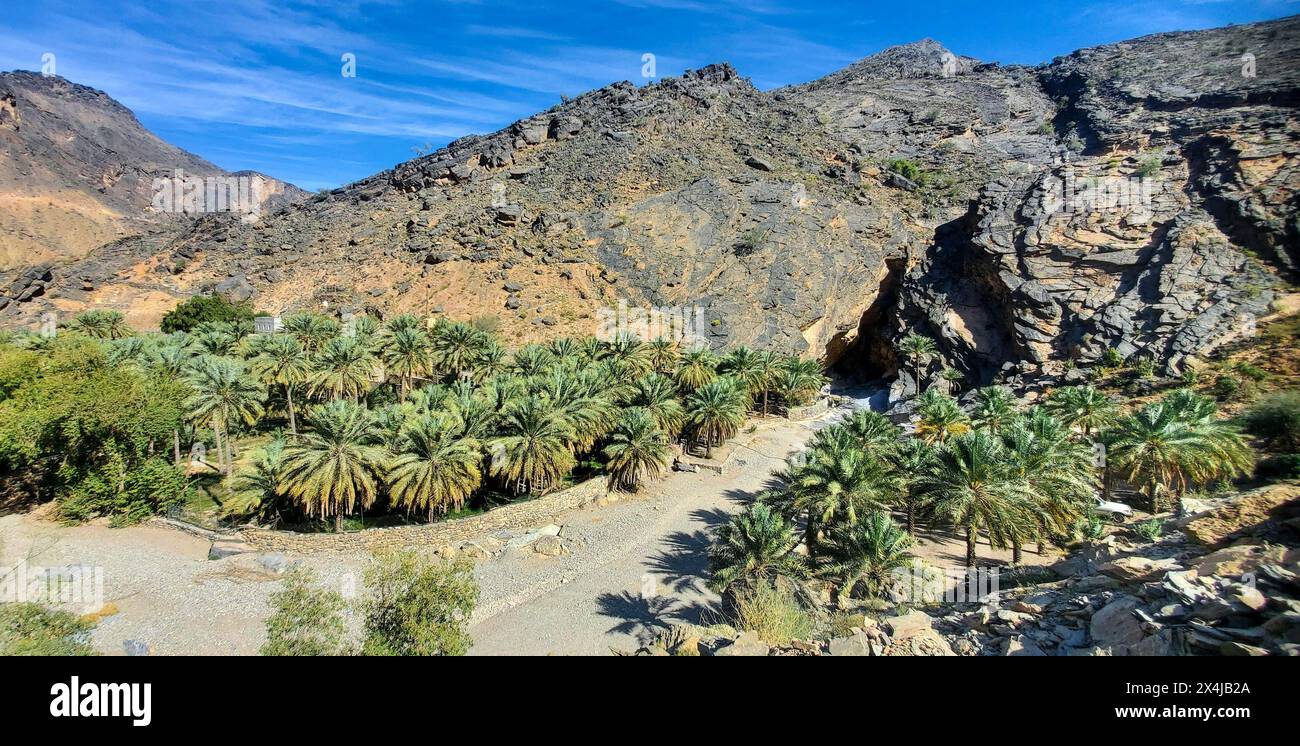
point(77, 171)
point(1137, 196)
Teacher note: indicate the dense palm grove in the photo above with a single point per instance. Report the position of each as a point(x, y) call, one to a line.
point(396, 417)
point(848, 509)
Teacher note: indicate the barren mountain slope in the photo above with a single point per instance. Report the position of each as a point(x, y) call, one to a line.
point(77, 169)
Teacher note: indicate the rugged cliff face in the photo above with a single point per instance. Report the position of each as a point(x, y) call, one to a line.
point(1139, 196)
point(77, 171)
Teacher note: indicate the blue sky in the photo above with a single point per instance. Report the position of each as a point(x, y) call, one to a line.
point(257, 84)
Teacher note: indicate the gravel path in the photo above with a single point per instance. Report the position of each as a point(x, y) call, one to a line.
point(635, 565)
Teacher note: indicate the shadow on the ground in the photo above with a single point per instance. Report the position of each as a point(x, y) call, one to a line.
point(644, 617)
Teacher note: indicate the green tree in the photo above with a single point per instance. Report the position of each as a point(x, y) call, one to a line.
point(533, 452)
point(940, 417)
point(867, 552)
point(637, 449)
point(436, 468)
point(405, 353)
point(755, 546)
point(257, 490)
point(995, 409)
point(335, 466)
point(202, 309)
point(698, 367)
point(224, 393)
point(715, 411)
point(102, 324)
point(911, 459)
point(972, 486)
point(657, 394)
point(306, 619)
point(456, 347)
point(281, 361)
point(1083, 407)
point(419, 606)
point(342, 369)
point(1175, 443)
point(919, 350)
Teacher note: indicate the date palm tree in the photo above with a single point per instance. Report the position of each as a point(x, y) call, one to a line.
point(342, 369)
point(223, 393)
point(836, 485)
point(336, 465)
point(435, 468)
point(405, 353)
point(664, 354)
point(716, 411)
point(102, 324)
point(311, 329)
point(756, 545)
point(919, 350)
point(657, 393)
point(1175, 443)
point(533, 453)
point(867, 552)
point(940, 417)
point(1058, 470)
point(799, 380)
point(743, 365)
point(257, 491)
point(456, 346)
point(911, 459)
point(281, 361)
point(873, 431)
point(533, 360)
point(767, 369)
point(972, 486)
point(631, 353)
point(994, 410)
point(698, 368)
point(637, 449)
point(1083, 407)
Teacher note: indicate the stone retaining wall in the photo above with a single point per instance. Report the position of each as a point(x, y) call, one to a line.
point(515, 517)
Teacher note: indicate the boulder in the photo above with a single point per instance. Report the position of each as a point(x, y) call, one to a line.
point(550, 546)
point(1020, 646)
point(903, 626)
point(746, 644)
point(1138, 569)
point(1116, 624)
point(854, 645)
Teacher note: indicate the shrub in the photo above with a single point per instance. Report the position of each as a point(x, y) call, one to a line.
point(1145, 367)
point(202, 309)
point(909, 170)
point(31, 629)
point(1276, 419)
point(307, 620)
point(1278, 467)
point(1150, 166)
point(419, 606)
point(127, 496)
point(1149, 530)
point(1248, 370)
point(772, 612)
point(1227, 386)
point(1111, 358)
point(751, 240)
